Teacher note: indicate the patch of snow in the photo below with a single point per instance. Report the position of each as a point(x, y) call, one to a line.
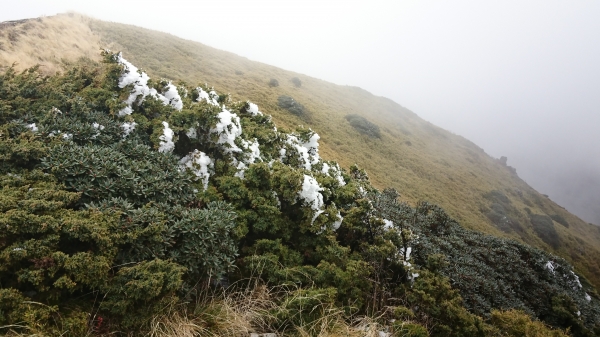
point(127, 128)
point(126, 111)
point(249, 157)
point(192, 133)
point(408, 251)
point(338, 223)
point(276, 199)
point(172, 96)
point(577, 283)
point(67, 136)
point(210, 97)
point(140, 90)
point(253, 109)
point(200, 164)
point(310, 193)
point(578, 313)
point(325, 168)
point(32, 127)
point(550, 266)
point(228, 128)
point(387, 224)
point(166, 139)
point(98, 126)
point(308, 152)
point(588, 297)
point(254, 154)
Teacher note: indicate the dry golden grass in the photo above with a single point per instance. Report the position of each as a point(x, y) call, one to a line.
point(241, 312)
point(48, 41)
point(420, 160)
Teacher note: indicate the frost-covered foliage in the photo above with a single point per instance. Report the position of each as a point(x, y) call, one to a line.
point(137, 80)
point(166, 139)
point(200, 164)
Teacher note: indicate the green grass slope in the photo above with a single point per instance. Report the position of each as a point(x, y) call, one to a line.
point(422, 161)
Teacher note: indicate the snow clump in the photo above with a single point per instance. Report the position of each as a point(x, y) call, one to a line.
point(127, 128)
point(334, 171)
point(253, 109)
point(210, 97)
point(387, 224)
point(166, 139)
point(139, 79)
point(172, 96)
point(338, 223)
point(32, 127)
point(311, 195)
point(308, 152)
point(228, 128)
point(199, 164)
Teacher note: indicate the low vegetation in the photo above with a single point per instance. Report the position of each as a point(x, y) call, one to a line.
point(129, 202)
point(291, 105)
point(363, 126)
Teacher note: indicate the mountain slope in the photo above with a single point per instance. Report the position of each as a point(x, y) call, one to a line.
point(419, 159)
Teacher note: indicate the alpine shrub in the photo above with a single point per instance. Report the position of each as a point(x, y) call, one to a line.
point(544, 228)
point(364, 126)
point(296, 81)
point(291, 105)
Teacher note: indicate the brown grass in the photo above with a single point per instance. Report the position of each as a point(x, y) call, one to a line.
point(241, 312)
point(48, 41)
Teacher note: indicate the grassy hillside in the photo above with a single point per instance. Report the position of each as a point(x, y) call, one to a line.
point(422, 161)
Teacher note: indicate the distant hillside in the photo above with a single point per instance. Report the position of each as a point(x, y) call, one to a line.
point(395, 146)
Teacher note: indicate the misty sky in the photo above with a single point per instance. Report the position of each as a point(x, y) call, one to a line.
point(519, 78)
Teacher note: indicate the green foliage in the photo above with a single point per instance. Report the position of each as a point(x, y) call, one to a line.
point(502, 213)
point(560, 219)
point(128, 170)
point(544, 228)
point(291, 105)
point(93, 211)
point(437, 301)
point(517, 323)
point(139, 292)
point(364, 126)
point(404, 329)
point(489, 272)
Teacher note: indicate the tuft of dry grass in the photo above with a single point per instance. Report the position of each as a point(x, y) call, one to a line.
point(48, 41)
point(252, 309)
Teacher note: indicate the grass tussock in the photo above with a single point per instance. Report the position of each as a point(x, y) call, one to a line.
point(258, 309)
point(48, 41)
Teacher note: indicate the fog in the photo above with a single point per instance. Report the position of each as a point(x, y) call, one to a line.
point(519, 78)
